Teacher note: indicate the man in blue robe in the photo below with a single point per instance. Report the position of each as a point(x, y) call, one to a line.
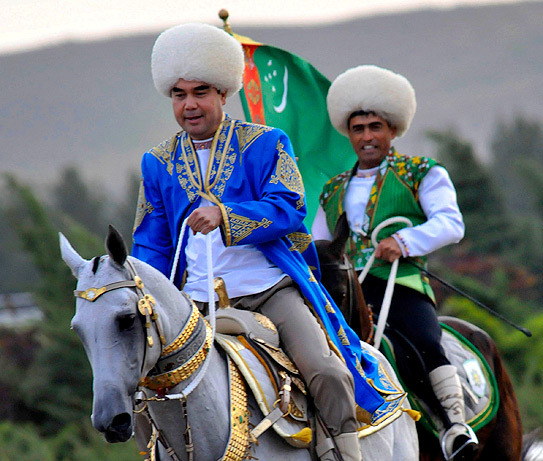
point(239, 182)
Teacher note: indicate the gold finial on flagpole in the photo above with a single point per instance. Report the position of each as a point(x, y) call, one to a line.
point(223, 14)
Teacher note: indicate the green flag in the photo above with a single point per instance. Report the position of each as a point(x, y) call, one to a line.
point(284, 91)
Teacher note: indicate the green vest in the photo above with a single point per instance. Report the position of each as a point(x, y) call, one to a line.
point(394, 193)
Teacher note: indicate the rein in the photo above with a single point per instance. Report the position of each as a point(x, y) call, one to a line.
point(389, 290)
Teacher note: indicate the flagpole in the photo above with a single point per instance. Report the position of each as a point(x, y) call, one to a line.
point(223, 14)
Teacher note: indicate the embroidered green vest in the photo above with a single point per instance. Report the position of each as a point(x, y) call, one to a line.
point(394, 193)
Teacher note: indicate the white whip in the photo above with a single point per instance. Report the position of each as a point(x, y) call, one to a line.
point(178, 251)
point(389, 290)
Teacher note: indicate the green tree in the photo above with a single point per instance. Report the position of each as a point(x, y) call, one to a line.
point(57, 384)
point(125, 211)
point(63, 391)
point(517, 147)
point(75, 199)
point(17, 273)
point(515, 144)
point(488, 228)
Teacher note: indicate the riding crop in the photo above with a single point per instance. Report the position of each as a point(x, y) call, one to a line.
point(471, 298)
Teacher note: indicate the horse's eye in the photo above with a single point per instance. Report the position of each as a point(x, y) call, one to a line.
point(126, 322)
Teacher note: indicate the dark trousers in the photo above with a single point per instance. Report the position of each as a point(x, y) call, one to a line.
point(413, 315)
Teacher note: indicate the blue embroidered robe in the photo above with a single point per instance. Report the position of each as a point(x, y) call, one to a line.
point(253, 178)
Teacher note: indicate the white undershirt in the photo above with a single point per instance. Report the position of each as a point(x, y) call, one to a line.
point(244, 269)
point(437, 198)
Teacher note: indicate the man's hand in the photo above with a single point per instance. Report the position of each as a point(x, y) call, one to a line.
point(205, 219)
point(388, 249)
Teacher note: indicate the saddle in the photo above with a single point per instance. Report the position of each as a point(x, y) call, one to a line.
point(251, 342)
point(481, 397)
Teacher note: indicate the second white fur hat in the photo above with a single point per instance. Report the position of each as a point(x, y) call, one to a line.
point(371, 89)
point(196, 51)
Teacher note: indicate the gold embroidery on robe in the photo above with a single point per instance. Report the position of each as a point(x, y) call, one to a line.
point(287, 173)
point(329, 308)
point(187, 169)
point(221, 161)
point(227, 167)
point(359, 367)
point(186, 185)
point(247, 134)
point(343, 337)
point(163, 152)
point(300, 241)
point(144, 207)
point(241, 226)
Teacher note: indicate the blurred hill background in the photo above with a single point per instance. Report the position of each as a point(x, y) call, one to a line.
point(93, 105)
point(76, 118)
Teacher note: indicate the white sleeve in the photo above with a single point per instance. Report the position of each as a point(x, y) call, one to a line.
point(444, 224)
point(319, 230)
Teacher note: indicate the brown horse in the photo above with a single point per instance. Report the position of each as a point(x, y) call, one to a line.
point(501, 438)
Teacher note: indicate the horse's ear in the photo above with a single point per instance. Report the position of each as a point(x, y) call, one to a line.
point(115, 246)
point(341, 234)
point(70, 256)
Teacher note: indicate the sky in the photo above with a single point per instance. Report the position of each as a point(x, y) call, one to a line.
point(29, 24)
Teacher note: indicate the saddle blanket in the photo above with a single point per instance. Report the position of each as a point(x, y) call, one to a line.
point(481, 396)
point(294, 428)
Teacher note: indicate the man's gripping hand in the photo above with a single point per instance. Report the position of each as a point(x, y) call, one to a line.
point(388, 249)
point(205, 219)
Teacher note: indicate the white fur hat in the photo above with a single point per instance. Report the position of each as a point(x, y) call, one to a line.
point(371, 89)
point(197, 51)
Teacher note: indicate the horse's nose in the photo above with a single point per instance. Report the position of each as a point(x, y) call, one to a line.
point(120, 429)
point(112, 413)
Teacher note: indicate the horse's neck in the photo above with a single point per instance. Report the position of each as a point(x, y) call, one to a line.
point(208, 405)
point(172, 307)
point(208, 413)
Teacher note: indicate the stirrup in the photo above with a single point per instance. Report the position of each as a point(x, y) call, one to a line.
point(471, 440)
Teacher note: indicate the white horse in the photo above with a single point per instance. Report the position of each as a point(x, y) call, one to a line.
point(117, 328)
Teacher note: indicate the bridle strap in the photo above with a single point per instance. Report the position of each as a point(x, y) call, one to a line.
point(347, 266)
point(146, 302)
point(92, 294)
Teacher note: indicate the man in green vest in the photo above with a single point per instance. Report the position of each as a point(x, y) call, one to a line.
point(372, 106)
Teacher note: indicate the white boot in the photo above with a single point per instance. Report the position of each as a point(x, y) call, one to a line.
point(448, 389)
point(348, 446)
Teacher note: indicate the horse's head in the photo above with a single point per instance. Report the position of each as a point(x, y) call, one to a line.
point(339, 278)
point(110, 324)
